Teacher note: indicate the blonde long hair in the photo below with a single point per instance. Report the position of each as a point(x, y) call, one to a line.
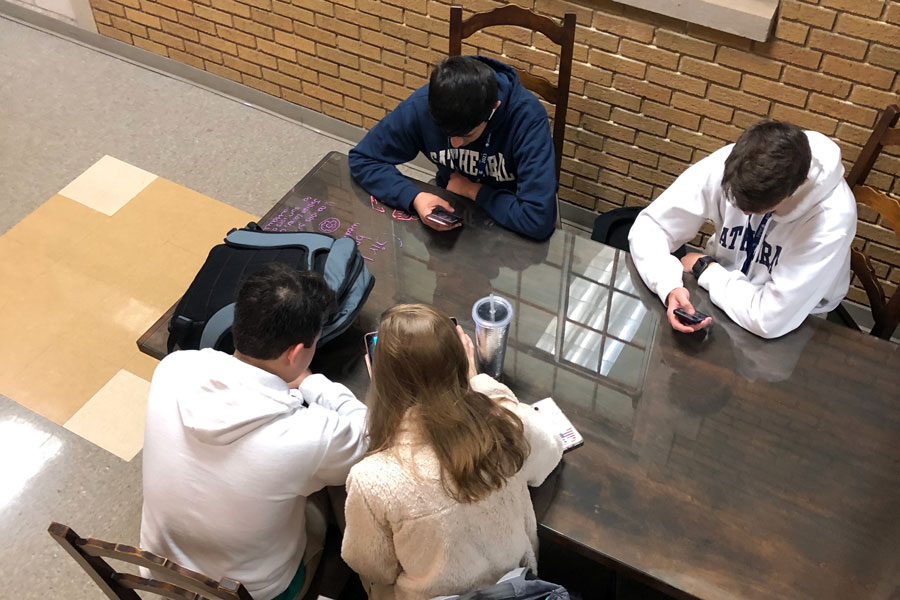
point(420, 363)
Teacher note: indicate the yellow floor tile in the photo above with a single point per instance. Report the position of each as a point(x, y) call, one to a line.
point(71, 310)
point(59, 381)
point(108, 185)
point(114, 417)
point(56, 227)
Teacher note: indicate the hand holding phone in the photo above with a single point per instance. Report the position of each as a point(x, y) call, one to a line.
point(442, 216)
point(688, 318)
point(679, 312)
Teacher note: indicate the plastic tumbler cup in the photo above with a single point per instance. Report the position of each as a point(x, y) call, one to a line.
point(492, 316)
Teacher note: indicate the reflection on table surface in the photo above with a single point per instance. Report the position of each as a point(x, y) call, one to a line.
point(716, 465)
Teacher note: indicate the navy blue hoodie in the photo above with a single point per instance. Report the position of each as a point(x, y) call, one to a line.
point(519, 187)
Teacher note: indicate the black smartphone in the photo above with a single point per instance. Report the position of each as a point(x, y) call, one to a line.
point(372, 339)
point(442, 216)
point(689, 319)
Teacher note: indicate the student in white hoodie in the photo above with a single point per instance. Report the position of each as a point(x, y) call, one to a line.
point(234, 445)
point(784, 220)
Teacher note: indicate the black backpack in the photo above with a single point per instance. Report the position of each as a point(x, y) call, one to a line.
point(204, 314)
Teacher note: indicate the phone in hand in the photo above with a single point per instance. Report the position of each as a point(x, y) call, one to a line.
point(690, 319)
point(442, 216)
point(372, 339)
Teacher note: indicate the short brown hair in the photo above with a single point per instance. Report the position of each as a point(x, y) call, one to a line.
point(768, 163)
point(420, 366)
point(279, 307)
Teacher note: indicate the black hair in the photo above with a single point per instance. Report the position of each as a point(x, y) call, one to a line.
point(768, 163)
point(462, 93)
point(279, 307)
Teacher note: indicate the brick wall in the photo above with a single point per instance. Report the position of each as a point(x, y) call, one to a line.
point(650, 94)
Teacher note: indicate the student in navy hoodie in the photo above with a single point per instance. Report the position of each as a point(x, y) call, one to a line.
point(489, 137)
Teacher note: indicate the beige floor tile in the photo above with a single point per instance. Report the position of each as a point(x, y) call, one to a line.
point(141, 365)
point(72, 312)
point(108, 185)
point(114, 417)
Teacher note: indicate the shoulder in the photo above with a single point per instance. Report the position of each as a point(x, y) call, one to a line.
point(380, 479)
point(185, 361)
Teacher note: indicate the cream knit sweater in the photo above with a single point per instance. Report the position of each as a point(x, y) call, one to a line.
point(409, 540)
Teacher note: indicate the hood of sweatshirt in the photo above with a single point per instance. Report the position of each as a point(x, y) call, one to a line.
point(508, 90)
point(825, 173)
point(231, 399)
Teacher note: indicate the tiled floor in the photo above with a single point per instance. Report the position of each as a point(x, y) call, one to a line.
point(85, 269)
point(94, 267)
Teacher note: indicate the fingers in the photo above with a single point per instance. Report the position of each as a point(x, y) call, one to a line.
point(446, 205)
point(678, 325)
point(435, 225)
point(464, 337)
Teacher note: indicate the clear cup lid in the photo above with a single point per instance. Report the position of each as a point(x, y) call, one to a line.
point(500, 317)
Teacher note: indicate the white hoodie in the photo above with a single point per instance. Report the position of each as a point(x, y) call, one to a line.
point(230, 455)
point(801, 265)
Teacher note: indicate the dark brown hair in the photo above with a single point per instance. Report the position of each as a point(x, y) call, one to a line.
point(768, 163)
point(279, 307)
point(420, 366)
point(462, 93)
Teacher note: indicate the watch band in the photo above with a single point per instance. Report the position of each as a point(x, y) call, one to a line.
point(700, 265)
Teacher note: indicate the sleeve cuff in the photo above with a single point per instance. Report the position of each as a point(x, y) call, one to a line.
point(490, 387)
point(406, 197)
point(713, 274)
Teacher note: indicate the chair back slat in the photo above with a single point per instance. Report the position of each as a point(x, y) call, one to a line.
point(153, 586)
point(882, 135)
point(560, 33)
point(515, 16)
point(539, 85)
point(885, 311)
point(175, 582)
point(886, 206)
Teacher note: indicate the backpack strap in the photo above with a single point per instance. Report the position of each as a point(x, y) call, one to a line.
point(313, 242)
point(179, 327)
point(217, 326)
point(340, 268)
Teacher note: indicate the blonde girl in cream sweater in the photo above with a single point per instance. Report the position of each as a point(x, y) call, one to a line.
point(440, 505)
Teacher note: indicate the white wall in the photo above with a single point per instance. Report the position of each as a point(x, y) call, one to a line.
point(74, 12)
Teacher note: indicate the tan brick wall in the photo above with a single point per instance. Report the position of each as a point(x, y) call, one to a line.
point(650, 94)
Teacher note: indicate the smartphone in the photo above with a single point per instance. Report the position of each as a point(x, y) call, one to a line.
point(442, 216)
point(372, 339)
point(549, 410)
point(689, 319)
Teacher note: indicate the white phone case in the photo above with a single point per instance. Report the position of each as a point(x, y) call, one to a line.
point(564, 428)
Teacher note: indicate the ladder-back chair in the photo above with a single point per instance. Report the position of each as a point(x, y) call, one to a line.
point(560, 33)
point(885, 311)
point(176, 581)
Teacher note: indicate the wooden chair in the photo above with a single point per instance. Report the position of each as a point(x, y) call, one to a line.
point(562, 34)
point(885, 311)
point(185, 584)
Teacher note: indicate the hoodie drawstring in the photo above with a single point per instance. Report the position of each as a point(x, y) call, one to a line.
point(753, 238)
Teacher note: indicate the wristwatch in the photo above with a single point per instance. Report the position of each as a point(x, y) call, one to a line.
point(700, 265)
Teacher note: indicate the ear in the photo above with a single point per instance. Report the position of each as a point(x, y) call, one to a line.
point(293, 352)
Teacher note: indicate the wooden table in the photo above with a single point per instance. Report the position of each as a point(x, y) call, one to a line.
point(715, 465)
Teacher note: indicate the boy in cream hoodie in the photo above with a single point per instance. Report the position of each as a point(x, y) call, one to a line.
point(784, 220)
point(234, 445)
